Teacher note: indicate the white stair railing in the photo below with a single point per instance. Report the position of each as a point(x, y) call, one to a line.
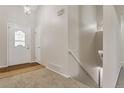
point(81, 65)
point(78, 61)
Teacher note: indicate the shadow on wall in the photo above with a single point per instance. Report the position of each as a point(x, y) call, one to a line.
point(99, 38)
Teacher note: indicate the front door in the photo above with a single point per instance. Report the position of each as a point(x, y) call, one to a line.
point(19, 44)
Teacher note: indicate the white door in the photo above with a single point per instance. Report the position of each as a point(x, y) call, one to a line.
point(37, 45)
point(19, 45)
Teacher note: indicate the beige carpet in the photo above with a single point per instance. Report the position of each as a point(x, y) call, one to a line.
point(42, 78)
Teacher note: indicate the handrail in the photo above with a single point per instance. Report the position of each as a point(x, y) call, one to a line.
point(77, 60)
point(100, 52)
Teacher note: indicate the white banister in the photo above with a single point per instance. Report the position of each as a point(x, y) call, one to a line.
point(81, 65)
point(77, 60)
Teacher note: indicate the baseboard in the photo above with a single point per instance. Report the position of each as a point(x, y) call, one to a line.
point(66, 76)
point(3, 66)
point(33, 61)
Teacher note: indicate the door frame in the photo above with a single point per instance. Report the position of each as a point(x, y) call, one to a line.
point(36, 31)
point(20, 26)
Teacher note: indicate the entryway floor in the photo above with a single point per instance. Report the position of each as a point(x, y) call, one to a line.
point(18, 69)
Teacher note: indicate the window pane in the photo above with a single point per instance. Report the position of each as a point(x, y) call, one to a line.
point(19, 38)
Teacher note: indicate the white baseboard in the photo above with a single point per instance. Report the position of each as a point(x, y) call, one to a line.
point(3, 66)
point(36, 61)
point(33, 61)
point(67, 76)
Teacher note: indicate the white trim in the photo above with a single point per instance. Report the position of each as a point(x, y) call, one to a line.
point(118, 75)
point(7, 46)
point(33, 61)
point(3, 66)
point(38, 62)
point(37, 30)
point(67, 76)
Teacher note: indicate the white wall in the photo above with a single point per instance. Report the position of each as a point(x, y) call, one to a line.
point(122, 41)
point(111, 47)
point(76, 38)
point(15, 15)
point(54, 38)
point(3, 36)
point(87, 40)
point(84, 41)
point(76, 30)
point(119, 9)
point(73, 29)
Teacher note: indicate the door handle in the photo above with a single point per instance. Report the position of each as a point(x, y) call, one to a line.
point(27, 47)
